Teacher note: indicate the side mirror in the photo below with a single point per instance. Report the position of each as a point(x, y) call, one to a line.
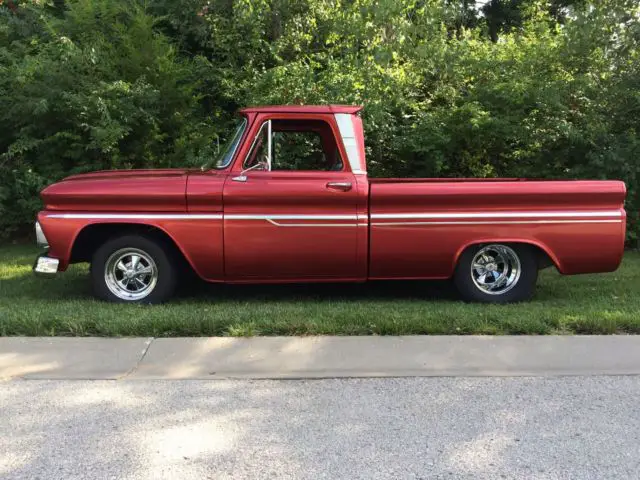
point(243, 174)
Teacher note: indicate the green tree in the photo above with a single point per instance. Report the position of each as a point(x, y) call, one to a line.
point(546, 89)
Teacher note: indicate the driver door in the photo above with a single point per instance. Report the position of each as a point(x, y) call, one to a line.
point(291, 215)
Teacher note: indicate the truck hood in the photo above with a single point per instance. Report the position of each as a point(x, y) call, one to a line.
point(162, 190)
point(121, 174)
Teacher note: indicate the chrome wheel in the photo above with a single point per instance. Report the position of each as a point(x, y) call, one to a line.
point(130, 274)
point(495, 269)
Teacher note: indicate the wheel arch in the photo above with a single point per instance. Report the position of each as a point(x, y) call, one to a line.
point(544, 255)
point(93, 235)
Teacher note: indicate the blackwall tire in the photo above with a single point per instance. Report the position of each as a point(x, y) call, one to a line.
point(496, 273)
point(133, 269)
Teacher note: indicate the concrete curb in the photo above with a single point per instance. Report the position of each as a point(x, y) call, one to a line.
point(316, 357)
point(70, 358)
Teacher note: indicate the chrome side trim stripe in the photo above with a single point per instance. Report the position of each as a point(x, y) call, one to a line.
point(137, 216)
point(217, 216)
point(234, 216)
point(571, 217)
point(581, 214)
point(316, 224)
point(494, 222)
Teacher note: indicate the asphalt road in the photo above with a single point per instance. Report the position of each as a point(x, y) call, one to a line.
point(389, 428)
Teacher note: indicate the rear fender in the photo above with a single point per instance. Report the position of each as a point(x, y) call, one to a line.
point(544, 248)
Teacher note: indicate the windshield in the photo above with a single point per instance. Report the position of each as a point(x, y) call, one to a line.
point(230, 147)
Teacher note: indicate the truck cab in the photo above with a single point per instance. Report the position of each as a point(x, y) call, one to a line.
point(299, 185)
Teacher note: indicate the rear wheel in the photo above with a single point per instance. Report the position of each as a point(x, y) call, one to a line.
point(133, 269)
point(497, 273)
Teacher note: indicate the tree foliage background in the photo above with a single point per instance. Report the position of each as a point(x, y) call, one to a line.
point(517, 88)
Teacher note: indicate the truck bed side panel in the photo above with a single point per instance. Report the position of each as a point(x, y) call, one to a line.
point(418, 229)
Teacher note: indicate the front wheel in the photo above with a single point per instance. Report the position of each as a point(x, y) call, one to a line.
point(133, 269)
point(497, 273)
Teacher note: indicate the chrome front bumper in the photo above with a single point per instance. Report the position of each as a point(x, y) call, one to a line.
point(46, 265)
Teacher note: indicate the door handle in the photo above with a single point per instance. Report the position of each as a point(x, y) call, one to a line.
point(342, 186)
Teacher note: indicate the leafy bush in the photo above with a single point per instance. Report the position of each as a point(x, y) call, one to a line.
point(526, 88)
point(99, 88)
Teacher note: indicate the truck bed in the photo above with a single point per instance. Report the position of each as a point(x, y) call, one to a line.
point(578, 225)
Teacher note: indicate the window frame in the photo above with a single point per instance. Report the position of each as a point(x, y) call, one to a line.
point(244, 125)
point(253, 144)
point(267, 121)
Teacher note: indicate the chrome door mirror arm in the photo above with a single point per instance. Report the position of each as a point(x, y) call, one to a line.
point(243, 174)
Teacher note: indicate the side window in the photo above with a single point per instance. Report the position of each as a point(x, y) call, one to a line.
point(296, 145)
point(298, 151)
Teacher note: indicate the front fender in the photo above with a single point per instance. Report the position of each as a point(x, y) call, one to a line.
point(197, 236)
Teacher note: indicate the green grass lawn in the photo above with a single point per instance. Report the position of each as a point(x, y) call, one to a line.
point(605, 303)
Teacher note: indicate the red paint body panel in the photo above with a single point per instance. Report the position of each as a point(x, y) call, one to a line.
point(200, 241)
point(317, 109)
point(120, 191)
point(576, 243)
point(285, 226)
point(498, 194)
point(293, 248)
point(204, 192)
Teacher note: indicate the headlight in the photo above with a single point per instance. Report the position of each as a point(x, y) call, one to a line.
point(40, 238)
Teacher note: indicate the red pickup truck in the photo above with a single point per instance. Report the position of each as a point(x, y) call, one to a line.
point(289, 200)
